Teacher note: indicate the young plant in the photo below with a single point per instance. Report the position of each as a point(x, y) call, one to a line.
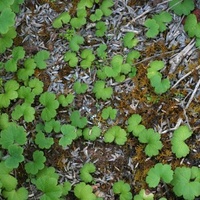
point(48, 100)
point(102, 92)
point(129, 40)
point(181, 7)
point(75, 42)
point(123, 190)
point(96, 16)
point(77, 120)
point(143, 195)
point(100, 29)
point(36, 86)
point(42, 141)
point(153, 28)
point(116, 134)
point(160, 85)
point(32, 167)
point(186, 182)
point(101, 51)
point(16, 194)
point(26, 94)
point(91, 134)
point(10, 93)
point(62, 19)
point(52, 125)
point(85, 172)
point(105, 7)
point(69, 134)
point(132, 56)
point(80, 88)
point(179, 147)
point(159, 172)
point(4, 121)
point(84, 192)
point(71, 58)
point(40, 59)
point(80, 20)
point(109, 112)
point(65, 100)
point(88, 57)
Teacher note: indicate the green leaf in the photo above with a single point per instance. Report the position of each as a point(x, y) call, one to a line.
point(63, 18)
point(80, 88)
point(101, 91)
point(40, 59)
point(71, 58)
point(132, 55)
point(91, 134)
point(65, 101)
point(52, 125)
point(15, 156)
point(4, 121)
point(115, 134)
point(49, 187)
point(109, 112)
point(85, 172)
point(181, 7)
point(85, 3)
point(5, 4)
point(105, 7)
point(159, 172)
point(32, 167)
point(153, 28)
point(69, 134)
point(88, 57)
point(36, 85)
point(77, 120)
point(184, 184)
point(75, 42)
point(144, 195)
point(101, 51)
point(152, 139)
point(129, 40)
point(42, 141)
point(7, 20)
point(13, 134)
point(26, 94)
point(96, 16)
point(179, 147)
point(20, 194)
point(84, 192)
point(66, 188)
point(16, 5)
point(100, 29)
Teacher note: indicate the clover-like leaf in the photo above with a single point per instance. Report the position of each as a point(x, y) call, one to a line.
point(65, 101)
point(32, 167)
point(42, 141)
point(132, 55)
point(100, 28)
point(179, 147)
point(96, 16)
point(71, 58)
point(144, 195)
point(105, 7)
point(153, 28)
point(77, 120)
point(91, 134)
point(40, 59)
point(26, 94)
point(101, 51)
point(159, 172)
point(19, 194)
point(52, 125)
point(85, 172)
point(88, 57)
point(5, 4)
point(36, 86)
point(75, 42)
point(80, 88)
point(63, 18)
point(109, 112)
point(130, 40)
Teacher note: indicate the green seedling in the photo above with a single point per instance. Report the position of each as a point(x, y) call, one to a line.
point(52, 125)
point(36, 86)
point(143, 195)
point(6, 40)
point(84, 192)
point(7, 20)
point(5, 4)
point(62, 19)
point(152, 139)
point(75, 42)
point(4, 121)
point(25, 110)
point(109, 112)
point(86, 3)
point(69, 33)
point(91, 134)
point(96, 16)
point(80, 88)
point(123, 190)
point(66, 100)
point(28, 70)
point(19, 194)
point(191, 26)
point(129, 40)
point(179, 147)
point(115, 134)
point(26, 94)
point(80, 20)
point(48, 100)
point(18, 53)
point(77, 120)
point(32, 167)
point(47, 172)
point(69, 134)
point(186, 182)
point(88, 57)
point(16, 5)
point(102, 92)
point(153, 28)
point(100, 29)
point(40, 59)
point(160, 172)
point(101, 51)
point(66, 188)
point(160, 85)
point(85, 172)
point(71, 58)
point(181, 7)
point(42, 141)
point(132, 56)
point(105, 7)
point(10, 93)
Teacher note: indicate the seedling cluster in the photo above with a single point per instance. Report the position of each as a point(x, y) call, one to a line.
point(24, 102)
